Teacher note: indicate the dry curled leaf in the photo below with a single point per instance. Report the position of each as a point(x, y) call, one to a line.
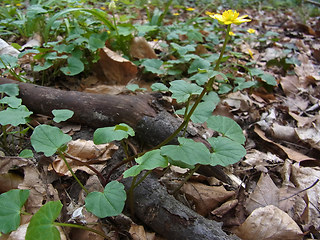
point(269, 223)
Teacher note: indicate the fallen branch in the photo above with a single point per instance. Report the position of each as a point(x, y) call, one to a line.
point(170, 218)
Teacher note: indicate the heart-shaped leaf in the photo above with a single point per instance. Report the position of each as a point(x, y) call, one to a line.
point(41, 225)
point(75, 66)
point(15, 116)
point(109, 203)
point(187, 154)
point(148, 161)
point(11, 203)
point(12, 101)
point(226, 151)
point(62, 115)
point(48, 139)
point(227, 127)
point(109, 134)
point(10, 89)
point(182, 90)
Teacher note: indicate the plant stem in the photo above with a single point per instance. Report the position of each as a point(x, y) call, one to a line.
point(198, 100)
point(81, 227)
point(71, 171)
point(190, 173)
point(130, 195)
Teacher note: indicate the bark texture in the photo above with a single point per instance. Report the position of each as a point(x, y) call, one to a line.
point(170, 218)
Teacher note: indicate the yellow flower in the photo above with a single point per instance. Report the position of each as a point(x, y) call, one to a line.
point(209, 13)
point(229, 17)
point(102, 8)
point(232, 33)
point(250, 30)
point(176, 14)
point(250, 53)
point(18, 4)
point(190, 9)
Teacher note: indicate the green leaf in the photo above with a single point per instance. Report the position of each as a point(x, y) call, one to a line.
point(46, 65)
point(15, 116)
point(204, 109)
point(13, 101)
point(148, 161)
point(195, 35)
point(153, 65)
point(109, 203)
point(97, 40)
point(266, 77)
point(109, 134)
point(26, 153)
point(197, 64)
point(11, 203)
point(187, 154)
point(10, 89)
point(62, 115)
point(48, 139)
point(226, 151)
point(74, 67)
point(269, 79)
point(227, 127)
point(224, 88)
point(182, 90)
point(182, 50)
point(204, 75)
point(9, 61)
point(41, 225)
point(135, 87)
point(159, 87)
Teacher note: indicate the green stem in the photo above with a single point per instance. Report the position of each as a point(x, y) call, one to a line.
point(141, 179)
point(81, 227)
point(130, 196)
point(204, 91)
point(71, 171)
point(190, 173)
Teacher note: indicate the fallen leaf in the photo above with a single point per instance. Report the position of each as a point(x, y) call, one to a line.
point(137, 232)
point(265, 193)
point(205, 198)
point(116, 69)
point(303, 178)
point(310, 136)
point(269, 223)
point(140, 49)
point(291, 154)
point(224, 208)
point(81, 152)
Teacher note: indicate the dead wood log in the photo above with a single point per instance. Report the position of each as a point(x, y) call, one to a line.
point(101, 110)
point(170, 218)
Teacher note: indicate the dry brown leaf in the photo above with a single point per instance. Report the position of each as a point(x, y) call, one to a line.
point(116, 69)
point(290, 84)
point(137, 232)
point(302, 121)
point(304, 177)
point(9, 181)
point(140, 48)
point(266, 193)
point(224, 208)
point(269, 223)
point(86, 152)
point(310, 136)
point(291, 154)
point(257, 158)
point(307, 71)
point(205, 198)
point(286, 133)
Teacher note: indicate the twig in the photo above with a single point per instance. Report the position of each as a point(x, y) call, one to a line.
point(313, 2)
point(300, 191)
